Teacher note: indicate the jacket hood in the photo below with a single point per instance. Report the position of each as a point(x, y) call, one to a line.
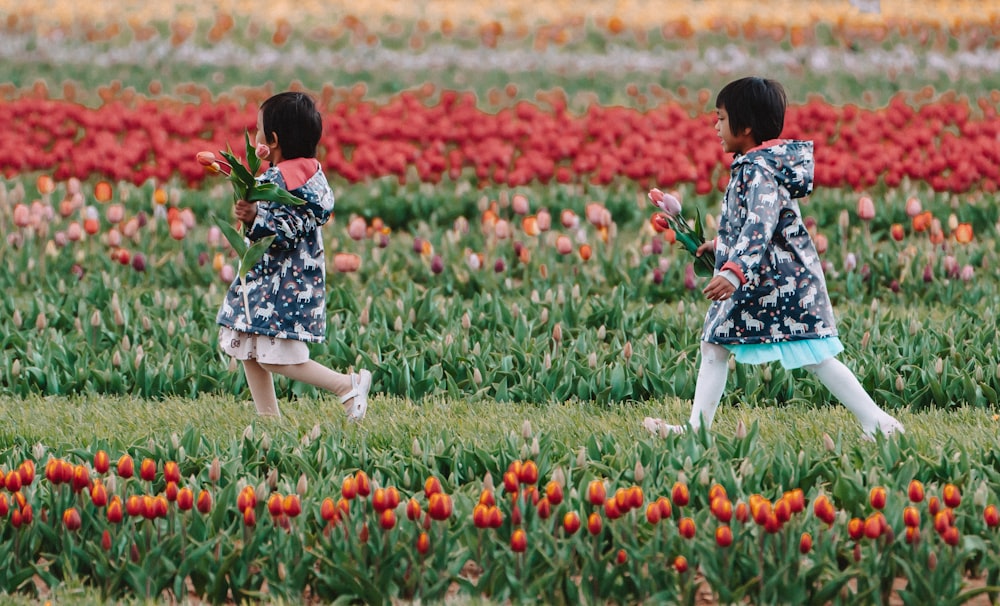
point(790, 161)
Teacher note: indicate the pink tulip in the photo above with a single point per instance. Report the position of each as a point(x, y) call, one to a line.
point(520, 204)
point(668, 203)
point(74, 232)
point(60, 239)
point(205, 158)
point(502, 229)
point(227, 274)
point(214, 236)
point(850, 262)
point(346, 262)
point(115, 213)
point(262, 151)
point(544, 220)
point(569, 219)
point(130, 228)
point(690, 280)
point(913, 207)
point(822, 243)
point(564, 245)
point(967, 273)
point(22, 215)
point(866, 208)
point(357, 229)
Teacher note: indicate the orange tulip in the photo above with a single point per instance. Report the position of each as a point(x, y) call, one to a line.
point(856, 528)
point(680, 564)
point(991, 516)
point(585, 252)
point(596, 493)
point(45, 184)
point(916, 491)
point(185, 499)
point(877, 497)
point(147, 470)
point(723, 536)
point(101, 462)
point(680, 494)
point(805, 543)
point(519, 541)
point(686, 528)
point(873, 526)
point(963, 233)
point(115, 510)
point(594, 523)
point(530, 226)
point(823, 509)
point(911, 516)
point(102, 191)
point(952, 496)
point(431, 485)
point(204, 503)
point(666, 510)
point(897, 232)
point(99, 494)
point(171, 472)
point(653, 513)
point(387, 519)
point(423, 543)
point(554, 492)
point(71, 518)
point(291, 505)
point(364, 484)
point(571, 522)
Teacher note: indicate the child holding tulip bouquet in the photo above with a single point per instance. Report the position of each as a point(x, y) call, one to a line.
point(270, 315)
point(768, 291)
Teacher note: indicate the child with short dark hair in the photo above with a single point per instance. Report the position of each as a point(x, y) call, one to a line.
point(769, 296)
point(286, 289)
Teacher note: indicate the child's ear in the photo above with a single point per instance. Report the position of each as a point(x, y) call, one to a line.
point(273, 142)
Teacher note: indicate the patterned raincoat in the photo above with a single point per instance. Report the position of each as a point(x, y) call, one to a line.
point(286, 290)
point(782, 295)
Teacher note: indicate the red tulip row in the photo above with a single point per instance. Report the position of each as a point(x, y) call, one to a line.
point(949, 143)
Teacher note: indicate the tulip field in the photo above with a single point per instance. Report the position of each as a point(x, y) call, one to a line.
point(492, 251)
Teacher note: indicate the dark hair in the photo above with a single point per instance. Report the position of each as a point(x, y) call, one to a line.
point(297, 122)
point(757, 103)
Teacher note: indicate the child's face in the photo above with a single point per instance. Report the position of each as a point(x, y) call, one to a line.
point(261, 139)
point(734, 143)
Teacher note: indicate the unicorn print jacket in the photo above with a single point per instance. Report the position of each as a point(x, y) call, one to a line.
point(782, 294)
point(286, 289)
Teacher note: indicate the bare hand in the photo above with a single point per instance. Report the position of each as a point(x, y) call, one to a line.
point(719, 289)
point(245, 211)
point(705, 247)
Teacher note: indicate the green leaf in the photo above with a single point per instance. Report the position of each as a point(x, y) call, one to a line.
point(270, 192)
point(254, 253)
point(234, 237)
point(240, 175)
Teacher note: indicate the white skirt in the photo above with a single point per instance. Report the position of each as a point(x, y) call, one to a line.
point(268, 350)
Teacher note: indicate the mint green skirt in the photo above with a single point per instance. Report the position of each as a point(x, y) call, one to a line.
point(791, 354)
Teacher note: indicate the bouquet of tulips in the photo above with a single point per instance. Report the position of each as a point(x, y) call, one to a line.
point(670, 221)
point(246, 187)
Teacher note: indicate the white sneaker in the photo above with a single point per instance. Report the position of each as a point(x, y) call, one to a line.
point(660, 428)
point(360, 384)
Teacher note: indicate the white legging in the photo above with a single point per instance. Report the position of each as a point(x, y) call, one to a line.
point(261, 381)
point(831, 372)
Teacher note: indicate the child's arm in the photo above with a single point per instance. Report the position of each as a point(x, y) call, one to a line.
point(289, 224)
point(763, 208)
